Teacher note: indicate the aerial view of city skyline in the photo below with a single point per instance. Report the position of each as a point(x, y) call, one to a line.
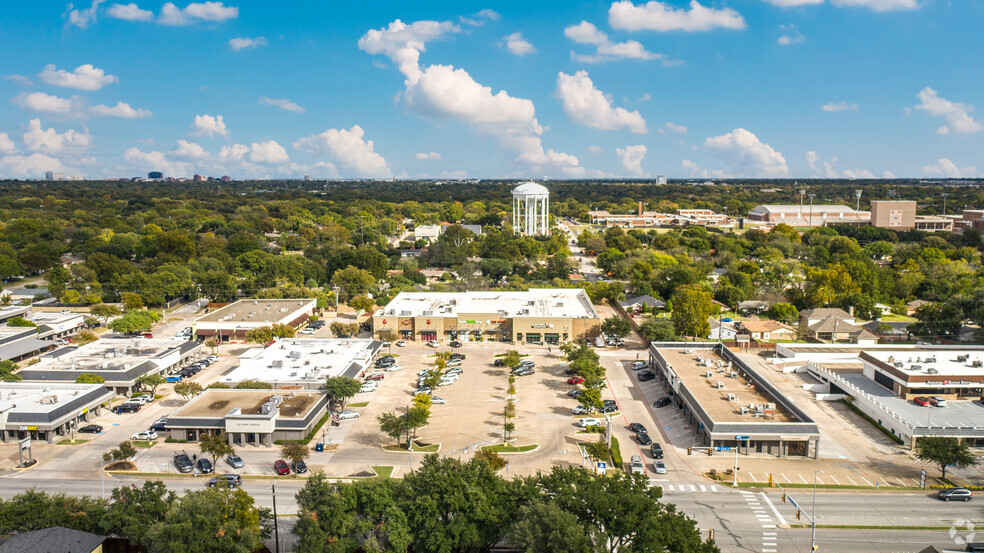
point(713, 89)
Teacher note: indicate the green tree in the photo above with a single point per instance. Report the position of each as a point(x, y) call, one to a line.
point(417, 417)
point(218, 520)
point(353, 281)
point(254, 385)
point(104, 311)
point(495, 461)
point(598, 450)
point(945, 452)
point(691, 308)
point(85, 337)
point(783, 312)
point(215, 445)
point(7, 369)
point(340, 389)
point(133, 510)
point(89, 378)
point(187, 389)
point(131, 301)
point(152, 381)
point(592, 399)
point(294, 451)
point(20, 321)
point(36, 510)
point(937, 320)
point(122, 452)
point(657, 330)
point(512, 359)
point(616, 326)
point(542, 527)
point(362, 303)
point(135, 321)
point(393, 425)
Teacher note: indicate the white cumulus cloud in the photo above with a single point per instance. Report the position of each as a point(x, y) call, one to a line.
point(481, 17)
point(661, 16)
point(269, 152)
point(82, 18)
point(347, 147)
point(946, 168)
point(585, 105)
point(121, 109)
point(790, 35)
point(794, 3)
point(40, 102)
point(517, 45)
point(246, 43)
point(156, 161)
point(839, 106)
point(427, 156)
point(206, 125)
point(595, 150)
point(879, 5)
point(746, 154)
point(188, 151)
point(85, 77)
point(50, 141)
point(671, 127)
point(129, 12)
point(606, 50)
point(200, 11)
point(6, 144)
point(282, 103)
point(29, 166)
point(957, 116)
point(631, 159)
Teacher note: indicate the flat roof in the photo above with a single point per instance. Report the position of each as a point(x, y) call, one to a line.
point(941, 363)
point(692, 369)
point(255, 311)
point(107, 355)
point(12, 331)
point(796, 208)
point(956, 415)
point(536, 302)
point(304, 360)
point(18, 398)
point(217, 403)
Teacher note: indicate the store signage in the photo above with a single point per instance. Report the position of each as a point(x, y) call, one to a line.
point(471, 322)
point(542, 325)
point(405, 323)
point(495, 322)
point(428, 321)
point(384, 321)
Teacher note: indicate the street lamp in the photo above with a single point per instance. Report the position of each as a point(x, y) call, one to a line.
point(813, 517)
point(811, 209)
point(738, 439)
point(944, 202)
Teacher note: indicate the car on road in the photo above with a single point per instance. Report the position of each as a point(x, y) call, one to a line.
point(636, 466)
point(924, 401)
point(204, 466)
point(656, 450)
point(401, 343)
point(438, 400)
point(148, 335)
point(281, 468)
point(575, 380)
point(230, 480)
point(375, 376)
point(455, 344)
point(348, 415)
point(146, 435)
point(434, 344)
point(393, 368)
point(643, 439)
point(575, 393)
point(580, 410)
point(937, 401)
point(662, 402)
point(659, 467)
point(298, 467)
point(955, 494)
point(182, 462)
point(367, 387)
point(637, 365)
point(586, 422)
point(638, 428)
point(523, 371)
point(235, 461)
point(646, 376)
point(91, 429)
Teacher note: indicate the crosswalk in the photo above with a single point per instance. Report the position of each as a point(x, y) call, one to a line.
point(690, 488)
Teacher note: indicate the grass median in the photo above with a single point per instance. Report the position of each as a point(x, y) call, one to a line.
point(509, 448)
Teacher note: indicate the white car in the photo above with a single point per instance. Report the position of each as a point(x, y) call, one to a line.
point(444, 382)
point(454, 372)
point(348, 415)
point(424, 373)
point(307, 331)
point(639, 365)
point(436, 400)
point(367, 387)
point(580, 410)
point(453, 363)
point(145, 435)
point(434, 344)
point(401, 344)
point(586, 422)
point(393, 368)
point(142, 400)
point(212, 358)
point(659, 467)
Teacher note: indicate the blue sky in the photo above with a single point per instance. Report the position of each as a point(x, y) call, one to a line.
point(683, 88)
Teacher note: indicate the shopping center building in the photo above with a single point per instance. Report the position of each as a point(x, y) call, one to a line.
point(536, 316)
point(233, 321)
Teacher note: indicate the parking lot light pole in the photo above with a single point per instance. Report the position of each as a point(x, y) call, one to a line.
point(738, 439)
point(102, 476)
point(813, 517)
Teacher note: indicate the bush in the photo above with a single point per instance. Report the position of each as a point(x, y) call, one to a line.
point(616, 453)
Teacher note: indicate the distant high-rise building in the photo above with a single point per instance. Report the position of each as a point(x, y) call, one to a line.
point(226, 178)
point(198, 178)
point(308, 177)
point(51, 175)
point(155, 175)
point(660, 179)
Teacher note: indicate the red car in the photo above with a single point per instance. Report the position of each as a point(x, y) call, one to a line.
point(148, 335)
point(575, 380)
point(924, 401)
point(281, 468)
point(375, 376)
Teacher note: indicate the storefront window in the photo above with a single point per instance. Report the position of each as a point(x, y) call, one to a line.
point(532, 338)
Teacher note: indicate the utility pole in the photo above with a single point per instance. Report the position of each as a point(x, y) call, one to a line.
point(944, 202)
point(276, 525)
point(811, 209)
point(813, 517)
point(738, 439)
point(802, 193)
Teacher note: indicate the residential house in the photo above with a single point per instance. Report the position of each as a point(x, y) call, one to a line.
point(753, 306)
point(767, 330)
point(57, 538)
point(912, 306)
point(864, 338)
point(832, 329)
point(721, 331)
point(888, 332)
point(641, 303)
point(883, 309)
point(810, 317)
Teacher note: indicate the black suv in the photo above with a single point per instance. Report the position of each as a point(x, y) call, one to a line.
point(656, 450)
point(662, 402)
point(638, 428)
point(643, 439)
point(205, 466)
point(457, 355)
point(182, 462)
point(455, 344)
point(299, 467)
point(646, 376)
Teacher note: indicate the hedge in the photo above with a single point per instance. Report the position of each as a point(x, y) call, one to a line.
point(616, 453)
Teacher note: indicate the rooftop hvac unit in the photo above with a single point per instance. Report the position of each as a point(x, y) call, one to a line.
point(708, 374)
point(720, 385)
point(732, 397)
point(744, 410)
point(255, 302)
point(976, 364)
point(930, 360)
point(48, 400)
point(932, 371)
point(898, 364)
point(891, 359)
point(733, 374)
point(917, 367)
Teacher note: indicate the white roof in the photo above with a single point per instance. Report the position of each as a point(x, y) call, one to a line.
point(536, 302)
point(302, 360)
point(796, 208)
point(25, 397)
point(530, 189)
point(941, 363)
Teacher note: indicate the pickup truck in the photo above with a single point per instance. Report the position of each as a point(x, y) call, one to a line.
point(182, 462)
point(637, 466)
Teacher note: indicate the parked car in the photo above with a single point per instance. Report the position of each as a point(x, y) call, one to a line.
point(453, 363)
point(586, 422)
point(129, 407)
point(955, 494)
point(499, 363)
point(306, 331)
point(174, 378)
point(299, 467)
point(213, 358)
point(235, 461)
point(636, 466)
point(148, 335)
point(576, 393)
point(457, 355)
point(527, 364)
point(937, 401)
point(643, 439)
point(368, 387)
point(434, 343)
point(438, 400)
point(637, 365)
point(281, 468)
point(569, 372)
point(204, 466)
point(523, 371)
point(646, 376)
point(638, 428)
point(662, 402)
point(455, 344)
point(659, 467)
point(924, 401)
point(385, 344)
point(348, 415)
point(375, 376)
point(422, 390)
point(146, 435)
point(91, 429)
point(580, 410)
point(446, 381)
point(401, 343)
point(656, 450)
point(393, 368)
point(230, 480)
point(575, 380)
point(182, 462)
point(608, 409)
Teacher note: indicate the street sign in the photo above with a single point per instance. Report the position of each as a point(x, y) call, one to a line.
point(740, 437)
point(25, 443)
point(922, 478)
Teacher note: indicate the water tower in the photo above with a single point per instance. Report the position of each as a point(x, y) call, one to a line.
point(531, 209)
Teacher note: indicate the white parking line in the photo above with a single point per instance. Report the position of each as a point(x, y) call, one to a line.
point(835, 480)
point(702, 488)
point(803, 479)
point(866, 481)
point(852, 481)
